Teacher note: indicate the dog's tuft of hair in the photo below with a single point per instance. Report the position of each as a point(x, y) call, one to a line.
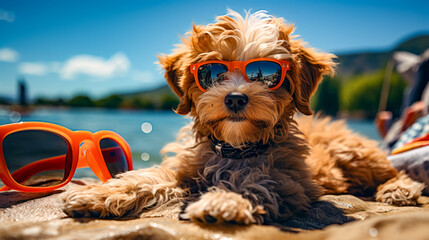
point(304, 157)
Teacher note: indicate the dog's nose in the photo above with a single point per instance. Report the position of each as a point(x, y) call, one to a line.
point(236, 101)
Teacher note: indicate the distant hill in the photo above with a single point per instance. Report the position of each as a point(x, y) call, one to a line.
point(158, 98)
point(154, 94)
point(364, 62)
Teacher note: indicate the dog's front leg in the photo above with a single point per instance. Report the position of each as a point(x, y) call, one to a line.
point(219, 206)
point(127, 195)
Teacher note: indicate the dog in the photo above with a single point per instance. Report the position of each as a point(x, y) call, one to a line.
point(246, 158)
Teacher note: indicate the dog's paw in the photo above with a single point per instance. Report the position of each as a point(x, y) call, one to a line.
point(219, 206)
point(85, 201)
point(400, 191)
point(98, 201)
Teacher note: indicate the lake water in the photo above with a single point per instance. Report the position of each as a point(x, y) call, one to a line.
point(159, 128)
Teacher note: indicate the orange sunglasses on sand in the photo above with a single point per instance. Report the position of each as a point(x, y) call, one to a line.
point(38, 157)
point(270, 72)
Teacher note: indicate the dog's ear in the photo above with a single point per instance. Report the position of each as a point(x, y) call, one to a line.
point(307, 66)
point(311, 66)
point(172, 65)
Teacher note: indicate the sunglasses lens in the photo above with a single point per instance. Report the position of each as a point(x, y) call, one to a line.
point(37, 158)
point(211, 73)
point(114, 156)
point(269, 73)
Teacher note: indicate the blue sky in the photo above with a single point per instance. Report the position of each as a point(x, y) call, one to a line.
point(63, 48)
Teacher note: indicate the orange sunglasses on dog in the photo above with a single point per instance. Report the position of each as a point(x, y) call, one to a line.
point(270, 72)
point(38, 157)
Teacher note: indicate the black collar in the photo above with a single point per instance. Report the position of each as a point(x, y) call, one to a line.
point(249, 150)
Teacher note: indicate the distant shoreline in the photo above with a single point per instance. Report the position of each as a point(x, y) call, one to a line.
point(16, 108)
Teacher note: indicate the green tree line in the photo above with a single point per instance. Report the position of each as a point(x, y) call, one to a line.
point(166, 102)
point(359, 95)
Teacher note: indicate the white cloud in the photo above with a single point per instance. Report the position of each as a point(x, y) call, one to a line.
point(142, 76)
point(7, 15)
point(55, 67)
point(8, 55)
point(33, 68)
point(117, 65)
point(95, 66)
point(39, 68)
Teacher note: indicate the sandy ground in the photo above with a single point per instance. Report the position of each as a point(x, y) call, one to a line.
point(35, 216)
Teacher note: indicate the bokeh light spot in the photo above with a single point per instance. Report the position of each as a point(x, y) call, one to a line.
point(14, 116)
point(146, 127)
point(145, 156)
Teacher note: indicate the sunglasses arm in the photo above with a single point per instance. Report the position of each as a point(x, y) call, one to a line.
point(5, 188)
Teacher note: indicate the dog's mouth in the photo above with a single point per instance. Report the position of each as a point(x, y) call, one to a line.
point(236, 119)
point(259, 123)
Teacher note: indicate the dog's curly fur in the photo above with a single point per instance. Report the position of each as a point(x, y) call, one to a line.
point(307, 157)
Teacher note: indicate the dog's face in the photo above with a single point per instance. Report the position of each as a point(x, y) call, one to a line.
point(235, 110)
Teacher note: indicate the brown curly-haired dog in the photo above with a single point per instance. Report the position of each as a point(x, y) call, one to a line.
point(287, 164)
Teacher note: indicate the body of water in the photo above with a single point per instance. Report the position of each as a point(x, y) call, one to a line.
point(146, 131)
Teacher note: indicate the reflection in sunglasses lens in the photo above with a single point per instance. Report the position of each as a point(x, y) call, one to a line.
point(113, 156)
point(211, 73)
point(46, 155)
point(269, 73)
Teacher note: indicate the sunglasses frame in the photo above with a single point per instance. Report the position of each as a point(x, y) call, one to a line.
point(232, 65)
point(86, 155)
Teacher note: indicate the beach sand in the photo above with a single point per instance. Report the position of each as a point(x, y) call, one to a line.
point(35, 216)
